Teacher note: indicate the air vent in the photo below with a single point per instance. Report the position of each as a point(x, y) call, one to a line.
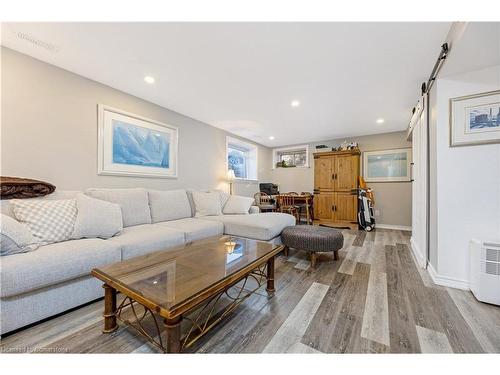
point(492, 255)
point(492, 258)
point(492, 268)
point(37, 42)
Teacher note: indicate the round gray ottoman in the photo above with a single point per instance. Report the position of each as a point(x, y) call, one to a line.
point(314, 239)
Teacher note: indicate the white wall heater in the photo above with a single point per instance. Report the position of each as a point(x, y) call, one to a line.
point(485, 271)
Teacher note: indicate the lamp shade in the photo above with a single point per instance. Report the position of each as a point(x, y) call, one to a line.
point(230, 175)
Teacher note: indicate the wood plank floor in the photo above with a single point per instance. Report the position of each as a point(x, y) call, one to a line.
point(372, 300)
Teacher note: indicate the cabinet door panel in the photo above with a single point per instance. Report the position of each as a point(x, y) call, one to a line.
point(323, 174)
point(346, 172)
point(345, 207)
point(323, 206)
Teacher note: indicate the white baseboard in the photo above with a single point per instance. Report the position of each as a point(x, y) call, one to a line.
point(420, 258)
point(438, 279)
point(395, 227)
point(450, 282)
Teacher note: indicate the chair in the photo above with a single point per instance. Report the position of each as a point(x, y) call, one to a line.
point(286, 205)
point(264, 202)
point(303, 203)
point(308, 206)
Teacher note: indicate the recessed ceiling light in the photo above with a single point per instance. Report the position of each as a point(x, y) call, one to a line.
point(295, 103)
point(271, 137)
point(149, 79)
point(380, 121)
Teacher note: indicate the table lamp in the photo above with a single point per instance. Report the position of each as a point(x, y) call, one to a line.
point(230, 178)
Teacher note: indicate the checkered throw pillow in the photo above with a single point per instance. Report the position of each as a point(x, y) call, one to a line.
point(224, 197)
point(50, 221)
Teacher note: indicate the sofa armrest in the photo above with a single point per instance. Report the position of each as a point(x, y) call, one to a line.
point(254, 210)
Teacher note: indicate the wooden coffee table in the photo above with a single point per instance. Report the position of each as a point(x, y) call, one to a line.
point(169, 285)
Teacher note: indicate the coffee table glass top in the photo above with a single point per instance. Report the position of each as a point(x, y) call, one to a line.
point(169, 278)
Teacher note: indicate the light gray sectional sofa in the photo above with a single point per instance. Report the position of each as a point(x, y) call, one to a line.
point(56, 277)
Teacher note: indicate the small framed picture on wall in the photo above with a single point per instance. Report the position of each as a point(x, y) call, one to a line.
point(387, 165)
point(475, 119)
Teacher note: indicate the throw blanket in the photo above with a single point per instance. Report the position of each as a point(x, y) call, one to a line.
point(15, 187)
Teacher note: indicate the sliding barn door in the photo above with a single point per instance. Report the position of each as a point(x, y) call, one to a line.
point(419, 185)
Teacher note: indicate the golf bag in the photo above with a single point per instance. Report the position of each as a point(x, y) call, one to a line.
point(366, 219)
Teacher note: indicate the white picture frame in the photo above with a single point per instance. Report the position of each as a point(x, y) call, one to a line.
point(132, 145)
point(387, 165)
point(465, 129)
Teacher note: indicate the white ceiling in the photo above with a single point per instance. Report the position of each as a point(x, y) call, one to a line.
point(478, 48)
point(241, 77)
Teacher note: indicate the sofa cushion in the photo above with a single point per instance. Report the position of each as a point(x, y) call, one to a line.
point(147, 238)
point(168, 205)
point(196, 229)
point(133, 202)
point(96, 218)
point(55, 263)
point(260, 226)
point(206, 203)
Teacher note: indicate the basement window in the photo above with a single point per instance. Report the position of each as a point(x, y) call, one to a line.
point(241, 158)
point(287, 157)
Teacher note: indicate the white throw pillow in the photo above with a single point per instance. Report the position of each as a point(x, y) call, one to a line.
point(206, 203)
point(236, 204)
point(15, 237)
point(50, 221)
point(96, 218)
point(133, 202)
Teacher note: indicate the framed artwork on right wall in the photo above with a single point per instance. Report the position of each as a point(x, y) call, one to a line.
point(475, 119)
point(387, 165)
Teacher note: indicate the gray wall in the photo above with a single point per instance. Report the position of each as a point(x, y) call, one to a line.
point(49, 132)
point(393, 199)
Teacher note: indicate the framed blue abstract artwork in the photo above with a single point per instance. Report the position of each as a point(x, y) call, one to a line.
point(475, 119)
point(130, 145)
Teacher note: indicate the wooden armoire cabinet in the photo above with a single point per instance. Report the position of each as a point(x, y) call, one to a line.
point(335, 182)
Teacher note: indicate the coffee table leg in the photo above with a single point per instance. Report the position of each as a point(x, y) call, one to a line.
point(110, 324)
point(270, 276)
point(173, 329)
point(286, 251)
